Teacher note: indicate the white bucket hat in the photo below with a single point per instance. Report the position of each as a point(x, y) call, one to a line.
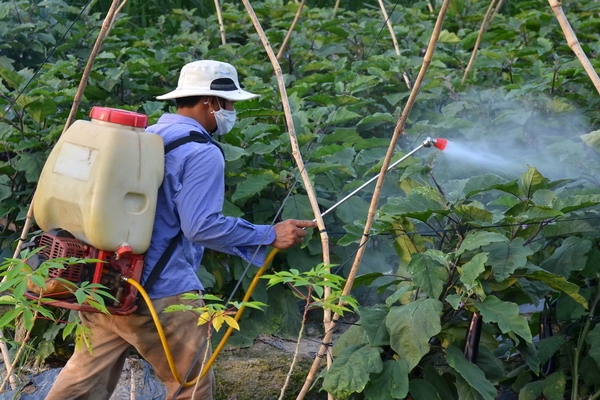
point(209, 78)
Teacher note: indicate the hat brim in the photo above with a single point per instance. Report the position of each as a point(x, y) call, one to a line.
point(233, 95)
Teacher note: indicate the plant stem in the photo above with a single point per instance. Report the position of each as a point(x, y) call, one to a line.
point(580, 343)
point(297, 350)
point(11, 367)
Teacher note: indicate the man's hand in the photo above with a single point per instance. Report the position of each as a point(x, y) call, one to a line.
point(291, 232)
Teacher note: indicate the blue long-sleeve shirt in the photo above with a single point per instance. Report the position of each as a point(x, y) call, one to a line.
point(190, 200)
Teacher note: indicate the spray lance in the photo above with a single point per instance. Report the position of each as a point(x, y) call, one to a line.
point(438, 143)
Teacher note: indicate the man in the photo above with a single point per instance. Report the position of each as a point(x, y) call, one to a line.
point(188, 219)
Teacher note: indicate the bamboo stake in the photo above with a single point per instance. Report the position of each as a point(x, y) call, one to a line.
point(386, 18)
point(484, 26)
point(388, 23)
point(294, 140)
point(336, 7)
point(573, 42)
point(289, 33)
point(221, 24)
point(373, 207)
point(7, 362)
point(106, 26)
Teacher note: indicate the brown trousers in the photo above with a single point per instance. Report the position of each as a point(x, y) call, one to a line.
point(95, 376)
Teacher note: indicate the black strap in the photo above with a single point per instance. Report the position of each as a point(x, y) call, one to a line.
point(194, 136)
point(160, 264)
point(197, 137)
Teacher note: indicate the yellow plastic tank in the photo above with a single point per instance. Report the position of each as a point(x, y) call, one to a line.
point(101, 180)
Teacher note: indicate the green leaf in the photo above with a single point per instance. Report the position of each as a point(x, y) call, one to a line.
point(506, 257)
point(593, 340)
point(411, 326)
point(251, 186)
point(391, 383)
point(448, 37)
point(477, 239)
point(41, 109)
point(471, 373)
point(551, 388)
point(429, 272)
point(371, 319)
point(506, 315)
point(530, 181)
point(349, 372)
point(471, 270)
point(570, 256)
point(559, 283)
point(547, 347)
point(592, 139)
point(420, 389)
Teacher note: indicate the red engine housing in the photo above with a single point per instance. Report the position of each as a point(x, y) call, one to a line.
point(108, 271)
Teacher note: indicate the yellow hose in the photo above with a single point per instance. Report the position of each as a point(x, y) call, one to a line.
point(223, 341)
point(159, 328)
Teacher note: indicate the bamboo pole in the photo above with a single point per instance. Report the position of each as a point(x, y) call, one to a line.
point(289, 33)
point(489, 15)
point(386, 18)
point(221, 24)
point(388, 23)
point(107, 24)
point(374, 202)
point(336, 6)
point(293, 138)
point(573, 42)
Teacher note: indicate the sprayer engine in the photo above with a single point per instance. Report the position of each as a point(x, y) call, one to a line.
point(107, 268)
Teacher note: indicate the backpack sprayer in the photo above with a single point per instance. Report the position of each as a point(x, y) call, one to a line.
point(96, 199)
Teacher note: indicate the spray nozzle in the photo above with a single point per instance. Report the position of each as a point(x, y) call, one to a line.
point(437, 143)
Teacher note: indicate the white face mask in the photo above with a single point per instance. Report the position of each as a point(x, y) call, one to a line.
point(226, 119)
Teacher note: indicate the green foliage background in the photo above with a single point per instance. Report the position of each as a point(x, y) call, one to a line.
point(453, 238)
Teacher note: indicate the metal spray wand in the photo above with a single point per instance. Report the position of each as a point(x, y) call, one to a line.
point(438, 143)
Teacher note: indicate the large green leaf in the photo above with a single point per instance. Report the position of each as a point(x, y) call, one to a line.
point(506, 315)
point(471, 373)
point(476, 239)
point(429, 272)
point(471, 270)
point(570, 256)
point(391, 383)
point(421, 389)
point(411, 326)
point(349, 372)
point(531, 181)
point(551, 388)
point(372, 321)
point(559, 283)
point(252, 185)
point(506, 257)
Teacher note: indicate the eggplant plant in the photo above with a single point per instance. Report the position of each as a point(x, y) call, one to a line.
point(454, 321)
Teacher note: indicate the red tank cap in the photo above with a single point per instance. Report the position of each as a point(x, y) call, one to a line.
point(122, 117)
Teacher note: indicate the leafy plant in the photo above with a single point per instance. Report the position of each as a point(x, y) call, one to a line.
point(493, 262)
point(24, 310)
point(318, 288)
